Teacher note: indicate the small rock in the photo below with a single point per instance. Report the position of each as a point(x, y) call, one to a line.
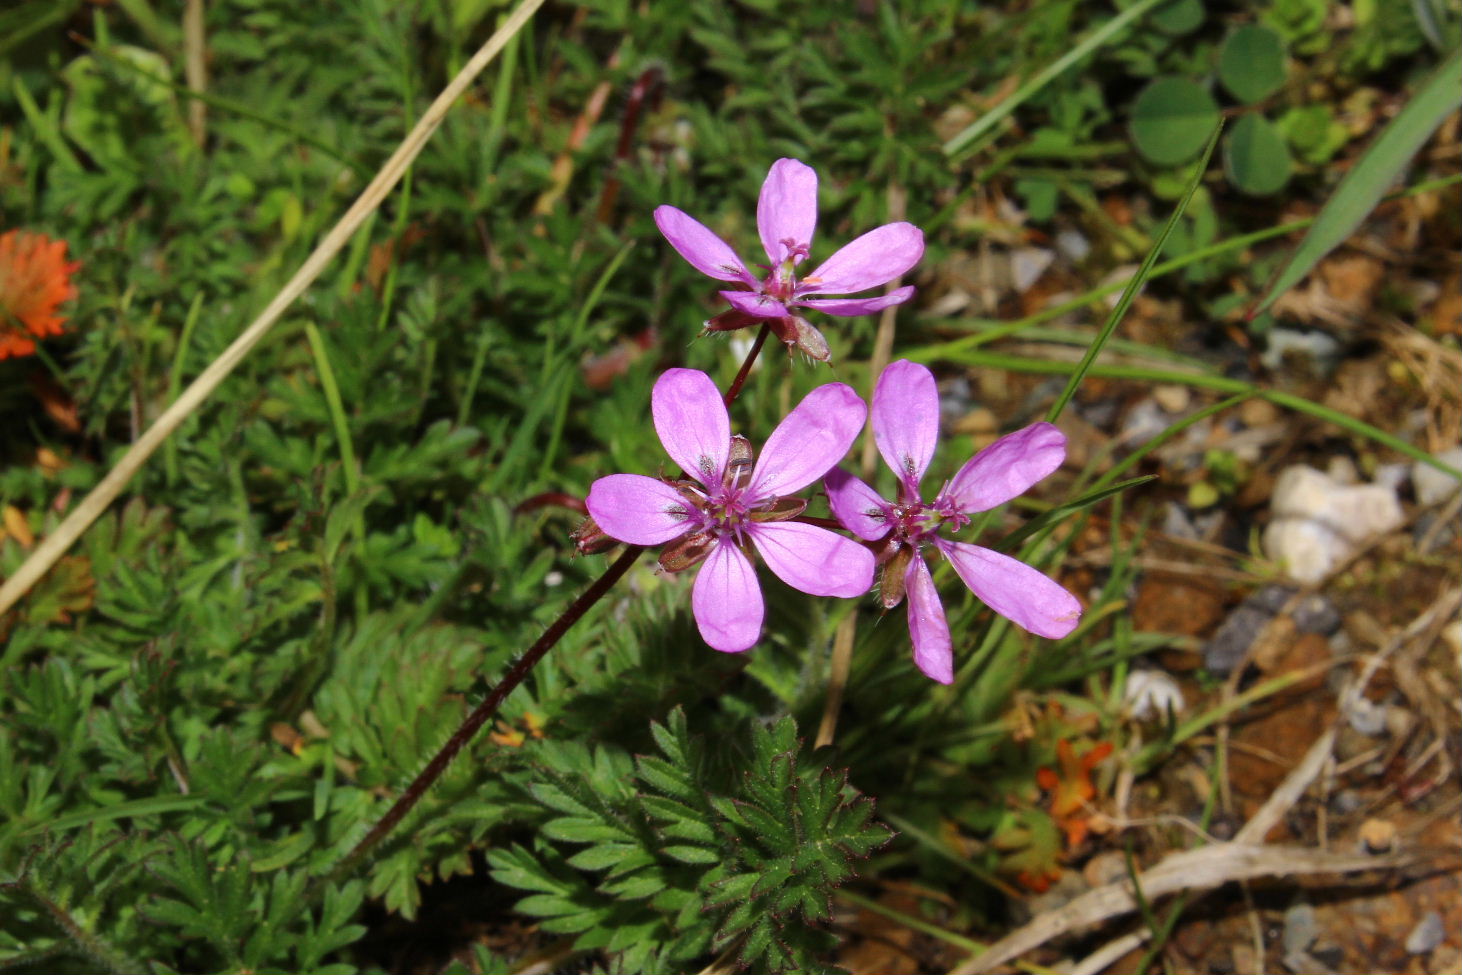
point(1393, 476)
point(1320, 348)
point(1367, 717)
point(1342, 470)
point(1073, 245)
point(1143, 422)
point(1027, 264)
point(1452, 636)
point(954, 398)
point(1427, 934)
point(1399, 722)
point(1318, 523)
point(1227, 647)
point(1300, 928)
point(1258, 413)
point(1173, 398)
point(1377, 835)
point(1316, 614)
point(1431, 484)
point(1152, 695)
point(1105, 868)
point(1271, 598)
point(1432, 535)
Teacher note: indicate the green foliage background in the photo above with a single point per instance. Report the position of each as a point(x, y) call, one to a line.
point(293, 609)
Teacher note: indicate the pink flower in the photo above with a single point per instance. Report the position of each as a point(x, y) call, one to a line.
point(786, 216)
point(906, 428)
point(729, 505)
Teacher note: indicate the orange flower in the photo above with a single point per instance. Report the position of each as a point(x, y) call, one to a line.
point(35, 278)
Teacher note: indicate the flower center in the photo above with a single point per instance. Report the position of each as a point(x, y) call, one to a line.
point(781, 284)
point(916, 522)
point(726, 511)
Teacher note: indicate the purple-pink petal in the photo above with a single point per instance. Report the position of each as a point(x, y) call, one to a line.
point(847, 307)
point(812, 559)
point(808, 442)
point(872, 260)
point(726, 600)
point(638, 510)
point(1023, 595)
point(756, 304)
point(787, 209)
point(692, 422)
point(699, 245)
point(1007, 468)
point(928, 629)
point(906, 420)
point(857, 506)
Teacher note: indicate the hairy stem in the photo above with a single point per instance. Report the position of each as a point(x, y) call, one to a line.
point(488, 707)
point(516, 674)
point(734, 390)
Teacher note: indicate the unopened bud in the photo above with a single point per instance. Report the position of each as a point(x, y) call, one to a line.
point(590, 539)
point(739, 462)
point(686, 551)
point(891, 579)
point(810, 340)
point(782, 509)
point(729, 321)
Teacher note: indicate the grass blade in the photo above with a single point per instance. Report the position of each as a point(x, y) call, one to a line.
point(1222, 384)
point(1135, 285)
point(1091, 42)
point(1056, 514)
point(1365, 184)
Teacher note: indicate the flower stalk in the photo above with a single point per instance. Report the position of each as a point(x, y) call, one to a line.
point(516, 674)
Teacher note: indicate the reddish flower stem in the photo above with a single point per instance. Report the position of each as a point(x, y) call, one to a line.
point(516, 674)
point(735, 388)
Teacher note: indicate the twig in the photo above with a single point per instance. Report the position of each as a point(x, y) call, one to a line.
point(1199, 870)
point(1098, 960)
point(195, 68)
point(101, 496)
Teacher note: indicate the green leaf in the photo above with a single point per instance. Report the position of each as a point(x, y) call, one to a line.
point(1178, 17)
point(1251, 64)
point(1096, 38)
point(575, 829)
point(1368, 180)
point(692, 854)
point(556, 798)
point(1255, 157)
point(285, 851)
point(1172, 119)
point(665, 777)
point(603, 857)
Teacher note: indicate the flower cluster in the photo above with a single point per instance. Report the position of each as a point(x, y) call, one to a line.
point(728, 505)
point(35, 279)
point(786, 217)
point(906, 529)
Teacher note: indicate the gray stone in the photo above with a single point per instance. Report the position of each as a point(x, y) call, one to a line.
point(1316, 614)
point(1236, 634)
point(1301, 928)
point(1427, 934)
point(1431, 484)
point(1318, 522)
